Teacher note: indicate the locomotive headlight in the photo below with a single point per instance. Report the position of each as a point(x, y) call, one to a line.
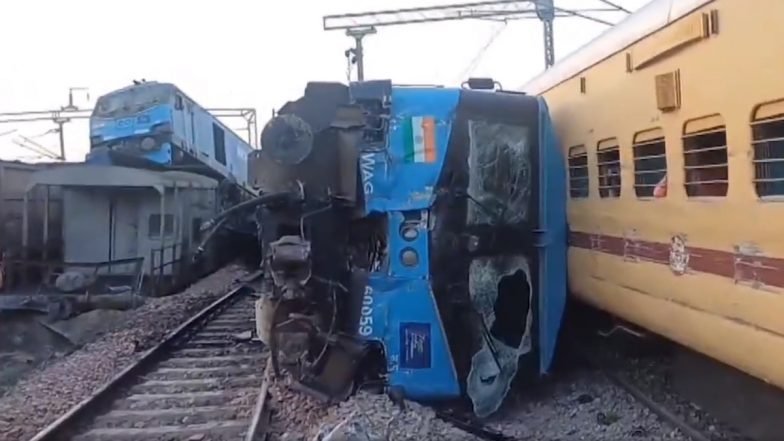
point(148, 144)
point(409, 232)
point(409, 257)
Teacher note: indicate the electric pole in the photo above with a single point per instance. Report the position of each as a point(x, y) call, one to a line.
point(359, 54)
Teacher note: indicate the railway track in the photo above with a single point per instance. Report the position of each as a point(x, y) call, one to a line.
point(659, 409)
point(203, 382)
point(468, 425)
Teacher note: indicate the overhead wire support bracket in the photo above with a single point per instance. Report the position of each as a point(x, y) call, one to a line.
point(544, 10)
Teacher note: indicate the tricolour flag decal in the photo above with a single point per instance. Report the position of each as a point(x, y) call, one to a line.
point(420, 139)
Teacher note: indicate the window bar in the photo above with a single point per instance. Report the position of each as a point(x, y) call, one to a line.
point(723, 181)
point(703, 133)
point(650, 172)
point(642, 158)
point(704, 149)
point(767, 140)
point(705, 167)
point(779, 118)
point(652, 142)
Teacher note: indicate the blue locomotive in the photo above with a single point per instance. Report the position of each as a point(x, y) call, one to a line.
point(152, 124)
point(414, 236)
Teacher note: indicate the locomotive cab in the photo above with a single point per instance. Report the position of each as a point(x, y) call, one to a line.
point(423, 225)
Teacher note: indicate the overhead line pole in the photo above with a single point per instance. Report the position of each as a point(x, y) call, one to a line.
point(357, 25)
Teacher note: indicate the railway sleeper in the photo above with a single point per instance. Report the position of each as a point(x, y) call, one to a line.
point(239, 315)
point(196, 384)
point(168, 417)
point(226, 329)
point(240, 324)
point(203, 372)
point(184, 399)
point(214, 430)
point(214, 352)
point(231, 360)
point(200, 341)
point(215, 334)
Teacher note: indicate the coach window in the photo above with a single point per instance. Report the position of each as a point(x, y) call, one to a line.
point(154, 225)
point(219, 138)
point(705, 157)
point(578, 172)
point(608, 162)
point(767, 129)
point(650, 164)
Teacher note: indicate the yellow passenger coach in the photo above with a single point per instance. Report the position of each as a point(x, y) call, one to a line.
point(673, 124)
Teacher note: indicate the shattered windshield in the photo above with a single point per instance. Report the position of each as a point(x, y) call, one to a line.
point(132, 100)
point(499, 173)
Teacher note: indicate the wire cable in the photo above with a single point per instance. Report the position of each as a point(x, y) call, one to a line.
point(480, 54)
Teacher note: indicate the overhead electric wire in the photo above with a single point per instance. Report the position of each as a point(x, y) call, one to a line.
point(480, 54)
point(43, 152)
point(615, 5)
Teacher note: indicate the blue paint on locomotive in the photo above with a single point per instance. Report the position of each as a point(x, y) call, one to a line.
point(157, 119)
point(405, 316)
point(400, 309)
point(143, 123)
point(156, 124)
point(399, 183)
point(552, 238)
point(405, 319)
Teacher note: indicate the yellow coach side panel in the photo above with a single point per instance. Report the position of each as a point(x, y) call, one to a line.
point(706, 270)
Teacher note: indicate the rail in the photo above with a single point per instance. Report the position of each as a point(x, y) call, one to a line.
point(70, 421)
point(675, 421)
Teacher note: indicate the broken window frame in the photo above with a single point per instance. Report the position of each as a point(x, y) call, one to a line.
point(493, 148)
point(579, 153)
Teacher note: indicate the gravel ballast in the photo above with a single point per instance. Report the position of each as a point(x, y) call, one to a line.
point(649, 366)
point(53, 389)
point(581, 405)
point(364, 416)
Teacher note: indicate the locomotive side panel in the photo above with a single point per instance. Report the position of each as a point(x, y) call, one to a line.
point(694, 256)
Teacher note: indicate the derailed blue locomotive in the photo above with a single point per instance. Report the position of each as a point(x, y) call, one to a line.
point(156, 125)
point(412, 235)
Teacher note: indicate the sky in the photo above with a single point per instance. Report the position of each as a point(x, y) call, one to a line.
point(242, 53)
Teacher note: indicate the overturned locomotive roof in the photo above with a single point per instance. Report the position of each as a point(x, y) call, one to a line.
point(650, 18)
point(91, 175)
